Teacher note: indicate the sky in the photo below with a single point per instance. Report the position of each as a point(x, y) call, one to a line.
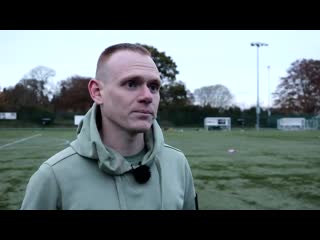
point(203, 57)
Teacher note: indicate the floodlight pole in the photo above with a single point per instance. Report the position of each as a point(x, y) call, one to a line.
point(258, 44)
point(269, 112)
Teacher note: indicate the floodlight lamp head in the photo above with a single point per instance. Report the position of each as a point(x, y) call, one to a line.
point(259, 44)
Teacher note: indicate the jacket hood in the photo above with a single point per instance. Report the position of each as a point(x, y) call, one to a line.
point(89, 144)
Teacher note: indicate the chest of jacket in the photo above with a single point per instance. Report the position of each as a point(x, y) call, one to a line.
point(87, 187)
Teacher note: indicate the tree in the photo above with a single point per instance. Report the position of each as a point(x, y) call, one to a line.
point(217, 96)
point(41, 76)
point(30, 96)
point(176, 94)
point(35, 92)
point(14, 98)
point(25, 102)
point(73, 95)
point(166, 66)
point(171, 92)
point(31, 91)
point(299, 91)
point(41, 73)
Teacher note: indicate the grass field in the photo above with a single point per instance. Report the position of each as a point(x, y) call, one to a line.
point(268, 169)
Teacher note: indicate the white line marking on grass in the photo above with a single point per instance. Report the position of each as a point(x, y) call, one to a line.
point(21, 140)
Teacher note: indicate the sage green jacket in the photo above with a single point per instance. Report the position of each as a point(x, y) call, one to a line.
point(86, 175)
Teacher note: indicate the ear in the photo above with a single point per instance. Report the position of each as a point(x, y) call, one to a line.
point(95, 88)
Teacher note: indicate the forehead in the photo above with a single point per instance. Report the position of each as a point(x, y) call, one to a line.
point(124, 63)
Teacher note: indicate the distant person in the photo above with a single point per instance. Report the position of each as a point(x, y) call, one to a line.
point(119, 159)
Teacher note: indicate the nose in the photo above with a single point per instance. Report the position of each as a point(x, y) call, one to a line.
point(145, 95)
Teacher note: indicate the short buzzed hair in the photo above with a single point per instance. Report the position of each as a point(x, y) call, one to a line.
point(108, 52)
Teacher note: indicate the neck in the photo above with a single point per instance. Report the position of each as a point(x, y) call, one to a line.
point(127, 144)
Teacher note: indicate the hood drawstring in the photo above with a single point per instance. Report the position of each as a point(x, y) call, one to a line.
point(160, 182)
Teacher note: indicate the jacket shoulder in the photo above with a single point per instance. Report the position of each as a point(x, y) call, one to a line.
point(171, 147)
point(66, 153)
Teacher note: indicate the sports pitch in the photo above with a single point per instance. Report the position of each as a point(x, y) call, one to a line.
point(233, 170)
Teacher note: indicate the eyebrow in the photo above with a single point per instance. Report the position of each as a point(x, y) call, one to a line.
point(139, 78)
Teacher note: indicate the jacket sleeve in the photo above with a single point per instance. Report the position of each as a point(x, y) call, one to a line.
point(190, 194)
point(42, 192)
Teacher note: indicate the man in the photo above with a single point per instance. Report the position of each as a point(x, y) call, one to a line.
point(119, 159)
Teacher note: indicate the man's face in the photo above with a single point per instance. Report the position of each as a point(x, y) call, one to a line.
point(130, 91)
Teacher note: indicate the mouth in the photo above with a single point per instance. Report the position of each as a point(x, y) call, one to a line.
point(144, 112)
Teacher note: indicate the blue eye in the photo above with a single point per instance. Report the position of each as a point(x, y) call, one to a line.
point(131, 84)
point(154, 88)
